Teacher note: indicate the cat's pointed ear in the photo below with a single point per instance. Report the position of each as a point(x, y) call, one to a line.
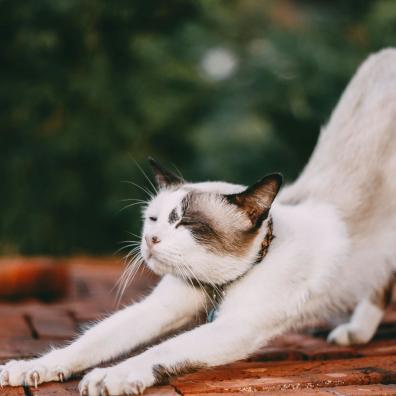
point(164, 177)
point(257, 199)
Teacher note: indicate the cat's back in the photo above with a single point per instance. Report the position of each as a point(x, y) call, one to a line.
point(354, 162)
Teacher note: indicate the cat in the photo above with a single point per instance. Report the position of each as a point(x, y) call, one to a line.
point(266, 259)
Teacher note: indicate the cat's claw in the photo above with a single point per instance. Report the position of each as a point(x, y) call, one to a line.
point(35, 378)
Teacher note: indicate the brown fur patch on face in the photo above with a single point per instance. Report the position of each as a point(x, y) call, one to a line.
point(383, 297)
point(162, 373)
point(173, 216)
point(216, 224)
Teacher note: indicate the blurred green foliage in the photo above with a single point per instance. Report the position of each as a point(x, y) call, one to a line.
point(89, 87)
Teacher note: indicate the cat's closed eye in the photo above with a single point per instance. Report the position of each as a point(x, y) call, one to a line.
point(153, 218)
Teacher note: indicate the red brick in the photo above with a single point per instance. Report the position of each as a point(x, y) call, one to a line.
point(101, 280)
point(359, 390)
point(377, 348)
point(43, 309)
point(289, 375)
point(299, 341)
point(25, 307)
point(54, 326)
point(85, 312)
point(14, 326)
point(383, 390)
point(300, 392)
point(161, 391)
point(329, 352)
point(10, 309)
point(10, 391)
point(276, 354)
point(69, 388)
point(11, 348)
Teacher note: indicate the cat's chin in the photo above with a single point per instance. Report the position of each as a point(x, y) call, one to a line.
point(158, 267)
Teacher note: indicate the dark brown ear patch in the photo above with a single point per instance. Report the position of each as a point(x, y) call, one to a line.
point(257, 199)
point(164, 177)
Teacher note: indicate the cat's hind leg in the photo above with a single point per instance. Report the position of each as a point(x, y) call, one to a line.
point(364, 321)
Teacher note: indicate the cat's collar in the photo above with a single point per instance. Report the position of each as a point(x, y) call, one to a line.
point(216, 293)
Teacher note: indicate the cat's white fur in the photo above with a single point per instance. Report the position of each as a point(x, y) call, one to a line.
point(335, 247)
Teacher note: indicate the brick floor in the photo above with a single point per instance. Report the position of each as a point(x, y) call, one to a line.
point(294, 364)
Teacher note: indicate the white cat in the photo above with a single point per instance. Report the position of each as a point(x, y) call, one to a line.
point(327, 244)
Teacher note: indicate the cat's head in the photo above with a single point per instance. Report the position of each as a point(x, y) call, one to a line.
point(209, 231)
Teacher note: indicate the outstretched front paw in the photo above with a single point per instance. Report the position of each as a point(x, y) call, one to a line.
point(116, 380)
point(31, 372)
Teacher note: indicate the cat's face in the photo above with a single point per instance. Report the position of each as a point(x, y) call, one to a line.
point(206, 231)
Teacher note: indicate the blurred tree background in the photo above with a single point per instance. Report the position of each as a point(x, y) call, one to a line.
point(227, 89)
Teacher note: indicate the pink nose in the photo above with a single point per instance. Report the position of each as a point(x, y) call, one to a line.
point(151, 240)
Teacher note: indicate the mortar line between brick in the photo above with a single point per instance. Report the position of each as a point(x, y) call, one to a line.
point(73, 318)
point(27, 391)
point(32, 329)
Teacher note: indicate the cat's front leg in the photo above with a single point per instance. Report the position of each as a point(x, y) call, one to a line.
point(171, 305)
point(223, 341)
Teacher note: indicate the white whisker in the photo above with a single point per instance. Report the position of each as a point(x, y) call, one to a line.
point(149, 193)
point(147, 178)
point(134, 235)
point(130, 206)
point(178, 171)
point(132, 267)
point(134, 200)
point(136, 246)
